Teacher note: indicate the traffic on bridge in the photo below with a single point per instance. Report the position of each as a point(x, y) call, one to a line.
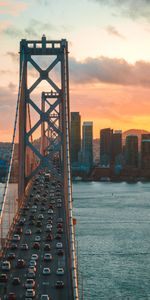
point(38, 256)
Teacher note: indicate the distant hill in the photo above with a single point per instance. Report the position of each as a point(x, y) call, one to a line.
point(137, 132)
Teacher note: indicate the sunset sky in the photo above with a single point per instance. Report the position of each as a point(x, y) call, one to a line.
point(109, 45)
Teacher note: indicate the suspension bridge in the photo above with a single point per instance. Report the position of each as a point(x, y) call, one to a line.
point(38, 258)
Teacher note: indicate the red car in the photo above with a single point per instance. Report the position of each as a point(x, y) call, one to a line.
point(12, 296)
point(36, 245)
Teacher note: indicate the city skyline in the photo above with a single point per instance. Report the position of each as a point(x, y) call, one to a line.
point(109, 57)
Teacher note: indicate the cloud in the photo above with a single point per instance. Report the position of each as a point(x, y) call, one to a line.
point(129, 8)
point(14, 56)
point(110, 71)
point(35, 29)
point(12, 7)
point(113, 31)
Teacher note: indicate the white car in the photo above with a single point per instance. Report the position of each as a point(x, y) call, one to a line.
point(6, 265)
point(34, 257)
point(30, 293)
point(46, 271)
point(49, 226)
point(59, 245)
point(16, 237)
point(47, 256)
point(37, 238)
point(28, 232)
point(30, 283)
point(60, 271)
point(40, 217)
point(45, 297)
point(50, 211)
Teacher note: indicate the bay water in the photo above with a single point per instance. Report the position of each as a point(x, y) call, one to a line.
point(113, 240)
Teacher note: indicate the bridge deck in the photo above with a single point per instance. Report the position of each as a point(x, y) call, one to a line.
point(46, 199)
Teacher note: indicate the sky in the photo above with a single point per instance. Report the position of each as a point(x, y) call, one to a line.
point(109, 57)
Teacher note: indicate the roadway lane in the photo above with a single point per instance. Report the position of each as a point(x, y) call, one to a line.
point(42, 195)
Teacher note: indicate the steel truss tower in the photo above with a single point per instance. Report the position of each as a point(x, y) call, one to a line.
point(55, 118)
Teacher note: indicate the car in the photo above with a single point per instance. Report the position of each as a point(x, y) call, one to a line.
point(60, 220)
point(30, 283)
point(60, 271)
point(31, 274)
point(16, 281)
point(37, 238)
point(16, 237)
point(31, 222)
point(50, 211)
point(34, 256)
point(59, 245)
point(6, 265)
point(24, 247)
point(44, 297)
point(47, 247)
point(36, 245)
point(59, 230)
point(59, 225)
point(47, 257)
point(12, 296)
point(40, 217)
point(32, 263)
point(60, 252)
point(59, 284)
point(28, 232)
point(58, 205)
point(33, 210)
point(59, 201)
point(58, 236)
point(11, 256)
point(18, 230)
point(49, 237)
point(3, 278)
point(13, 246)
point(46, 271)
point(31, 217)
point(39, 230)
point(49, 222)
point(39, 224)
point(49, 226)
point(30, 293)
point(20, 263)
point(32, 269)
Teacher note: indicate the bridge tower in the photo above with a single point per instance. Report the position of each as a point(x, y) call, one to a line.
point(53, 123)
point(56, 118)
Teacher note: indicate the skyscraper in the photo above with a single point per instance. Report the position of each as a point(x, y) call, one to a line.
point(106, 135)
point(87, 143)
point(117, 146)
point(75, 136)
point(145, 151)
point(131, 151)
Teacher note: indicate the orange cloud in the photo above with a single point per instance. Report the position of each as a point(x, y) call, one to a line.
point(12, 7)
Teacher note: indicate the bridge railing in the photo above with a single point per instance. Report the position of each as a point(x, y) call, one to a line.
point(71, 226)
point(9, 196)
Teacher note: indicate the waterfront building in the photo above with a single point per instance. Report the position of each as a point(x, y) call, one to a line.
point(117, 147)
point(75, 136)
point(131, 151)
point(106, 136)
point(87, 144)
point(145, 151)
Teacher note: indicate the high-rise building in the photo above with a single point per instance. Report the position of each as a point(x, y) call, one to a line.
point(145, 151)
point(117, 147)
point(106, 136)
point(87, 143)
point(75, 136)
point(131, 151)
